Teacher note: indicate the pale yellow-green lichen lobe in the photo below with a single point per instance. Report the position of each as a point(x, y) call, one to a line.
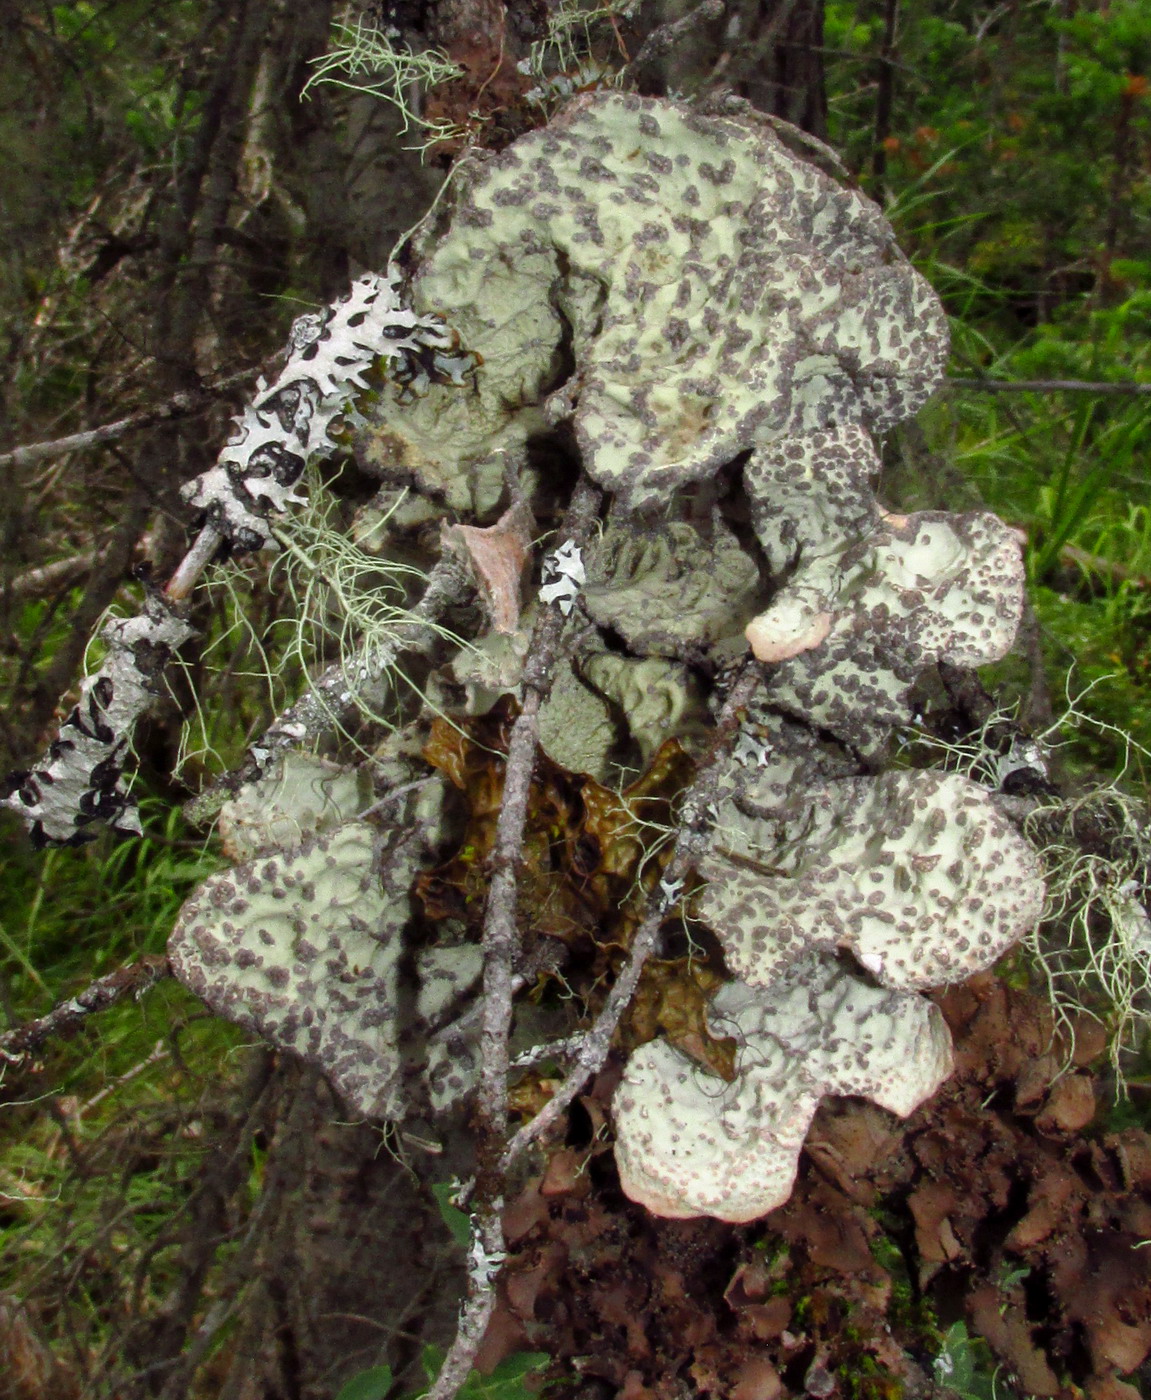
point(915, 873)
point(689, 1144)
point(305, 947)
point(303, 950)
point(671, 588)
point(916, 590)
point(728, 292)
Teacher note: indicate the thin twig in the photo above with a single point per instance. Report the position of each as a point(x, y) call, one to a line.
point(193, 564)
point(662, 40)
point(1046, 386)
point(182, 405)
point(60, 573)
point(501, 944)
point(689, 846)
point(132, 980)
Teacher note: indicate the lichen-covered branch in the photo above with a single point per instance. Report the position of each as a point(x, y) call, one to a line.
point(77, 786)
point(133, 980)
point(501, 945)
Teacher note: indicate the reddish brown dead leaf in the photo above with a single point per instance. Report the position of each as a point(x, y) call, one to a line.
point(1104, 1283)
point(931, 1206)
point(766, 1321)
point(566, 1174)
point(530, 1275)
point(1010, 1336)
point(1070, 1105)
point(756, 1379)
point(832, 1230)
point(1111, 1388)
point(1048, 1204)
point(633, 1388)
point(505, 1334)
point(498, 556)
point(524, 1212)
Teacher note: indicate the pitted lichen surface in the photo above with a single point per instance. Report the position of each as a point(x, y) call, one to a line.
point(920, 589)
point(303, 949)
point(916, 873)
point(714, 292)
point(300, 796)
point(687, 1143)
point(672, 588)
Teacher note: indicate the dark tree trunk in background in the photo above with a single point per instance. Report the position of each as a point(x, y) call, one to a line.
point(884, 97)
point(787, 77)
point(769, 51)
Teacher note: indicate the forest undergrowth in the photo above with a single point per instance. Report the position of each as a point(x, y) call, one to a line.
point(1014, 159)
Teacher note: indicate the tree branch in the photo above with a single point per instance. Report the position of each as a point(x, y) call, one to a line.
point(501, 944)
point(332, 699)
point(662, 40)
point(132, 980)
point(182, 405)
point(1046, 386)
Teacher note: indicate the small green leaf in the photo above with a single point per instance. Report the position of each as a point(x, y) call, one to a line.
point(506, 1382)
point(432, 1357)
point(372, 1384)
point(452, 1216)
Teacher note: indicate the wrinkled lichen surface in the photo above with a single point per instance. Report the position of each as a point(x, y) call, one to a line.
point(716, 331)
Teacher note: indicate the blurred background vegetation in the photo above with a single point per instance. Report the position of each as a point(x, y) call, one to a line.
point(168, 204)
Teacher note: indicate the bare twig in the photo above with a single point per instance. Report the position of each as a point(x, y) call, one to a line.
point(666, 37)
point(332, 699)
point(1046, 386)
point(182, 405)
point(193, 564)
point(501, 944)
point(689, 847)
point(132, 980)
point(60, 573)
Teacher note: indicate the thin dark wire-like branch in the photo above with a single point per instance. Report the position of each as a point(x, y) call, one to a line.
point(181, 405)
point(132, 980)
point(1047, 386)
point(501, 944)
point(690, 844)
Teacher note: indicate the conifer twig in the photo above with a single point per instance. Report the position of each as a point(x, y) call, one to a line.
point(132, 980)
point(501, 945)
